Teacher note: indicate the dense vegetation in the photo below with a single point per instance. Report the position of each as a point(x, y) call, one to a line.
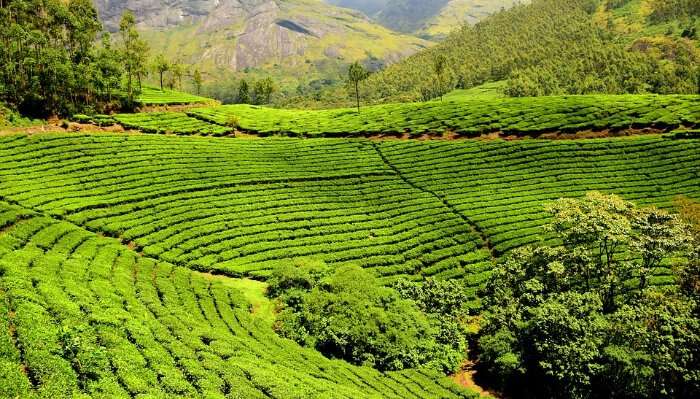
point(57, 61)
point(549, 47)
point(346, 313)
point(51, 63)
point(580, 320)
point(467, 117)
point(85, 316)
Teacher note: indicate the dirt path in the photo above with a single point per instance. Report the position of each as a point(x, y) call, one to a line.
point(465, 378)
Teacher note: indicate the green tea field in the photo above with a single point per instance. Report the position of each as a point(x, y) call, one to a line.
point(467, 116)
point(402, 208)
point(155, 96)
point(89, 317)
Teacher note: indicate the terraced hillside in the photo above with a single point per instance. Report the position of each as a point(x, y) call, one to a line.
point(462, 116)
point(85, 315)
point(402, 208)
point(155, 96)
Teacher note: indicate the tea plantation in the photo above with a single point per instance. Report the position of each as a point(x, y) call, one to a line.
point(84, 316)
point(155, 96)
point(465, 116)
point(105, 241)
point(402, 208)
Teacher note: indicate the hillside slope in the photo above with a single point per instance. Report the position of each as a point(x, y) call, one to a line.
point(552, 47)
point(292, 40)
point(85, 316)
point(432, 18)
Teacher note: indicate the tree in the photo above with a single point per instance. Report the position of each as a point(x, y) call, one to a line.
point(109, 69)
point(439, 66)
point(581, 320)
point(356, 74)
point(346, 313)
point(162, 66)
point(243, 92)
point(197, 81)
point(134, 51)
point(178, 72)
point(140, 61)
point(49, 56)
point(262, 91)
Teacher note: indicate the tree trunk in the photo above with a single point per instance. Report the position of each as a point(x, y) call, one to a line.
point(161, 81)
point(357, 96)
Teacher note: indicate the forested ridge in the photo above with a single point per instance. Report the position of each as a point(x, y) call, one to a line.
point(552, 47)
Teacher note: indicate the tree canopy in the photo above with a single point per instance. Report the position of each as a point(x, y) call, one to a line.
point(347, 314)
point(581, 320)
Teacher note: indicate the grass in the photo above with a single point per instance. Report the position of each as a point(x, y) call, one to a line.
point(466, 116)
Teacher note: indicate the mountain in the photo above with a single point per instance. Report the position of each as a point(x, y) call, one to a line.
point(290, 39)
point(553, 47)
point(432, 18)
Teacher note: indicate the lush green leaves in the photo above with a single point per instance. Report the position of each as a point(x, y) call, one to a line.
point(561, 320)
point(347, 314)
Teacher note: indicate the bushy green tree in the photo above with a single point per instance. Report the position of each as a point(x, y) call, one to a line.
point(197, 81)
point(581, 320)
point(262, 91)
point(134, 53)
point(243, 92)
point(50, 61)
point(347, 314)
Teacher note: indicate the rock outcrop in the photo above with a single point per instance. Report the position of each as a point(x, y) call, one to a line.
point(239, 34)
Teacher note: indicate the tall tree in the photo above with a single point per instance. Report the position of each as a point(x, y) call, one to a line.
point(262, 90)
point(439, 66)
point(130, 49)
point(243, 92)
point(177, 71)
point(356, 74)
point(162, 66)
point(197, 80)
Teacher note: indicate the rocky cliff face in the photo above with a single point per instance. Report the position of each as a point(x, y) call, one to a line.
point(425, 17)
point(239, 34)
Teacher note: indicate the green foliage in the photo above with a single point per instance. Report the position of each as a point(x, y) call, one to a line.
point(243, 92)
point(347, 314)
point(197, 80)
point(549, 47)
point(154, 96)
point(84, 316)
point(10, 118)
point(664, 10)
point(134, 54)
point(161, 65)
point(356, 74)
point(468, 116)
point(579, 320)
point(169, 122)
point(50, 64)
point(262, 91)
point(447, 304)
